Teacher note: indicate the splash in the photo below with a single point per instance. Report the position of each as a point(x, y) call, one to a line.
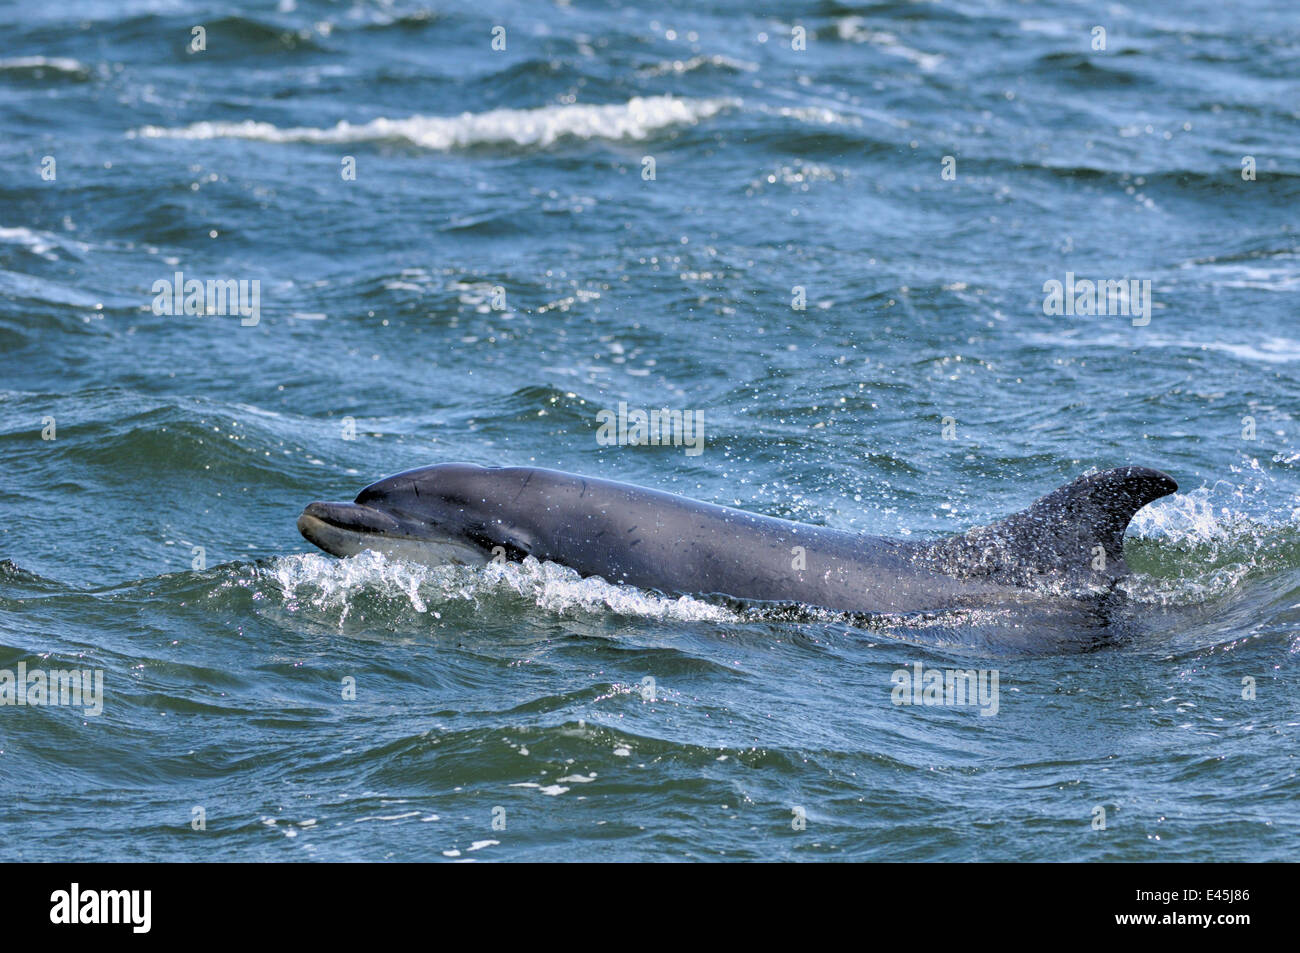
point(334, 585)
point(1195, 547)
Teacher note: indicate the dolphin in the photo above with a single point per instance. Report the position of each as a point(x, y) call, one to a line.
point(1068, 544)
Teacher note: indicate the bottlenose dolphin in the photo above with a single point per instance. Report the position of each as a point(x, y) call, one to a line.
point(1069, 543)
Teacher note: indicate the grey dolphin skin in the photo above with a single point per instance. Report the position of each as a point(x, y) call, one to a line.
point(1070, 541)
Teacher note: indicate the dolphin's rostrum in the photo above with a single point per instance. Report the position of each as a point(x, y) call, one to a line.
point(1070, 542)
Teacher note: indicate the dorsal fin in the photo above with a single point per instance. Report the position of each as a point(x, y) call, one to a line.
point(1059, 534)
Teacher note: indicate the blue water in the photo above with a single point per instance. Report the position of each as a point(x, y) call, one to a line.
point(499, 271)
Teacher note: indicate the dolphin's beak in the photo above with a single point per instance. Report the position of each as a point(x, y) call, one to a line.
point(339, 528)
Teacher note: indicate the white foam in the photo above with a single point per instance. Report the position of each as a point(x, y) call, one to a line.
point(551, 790)
point(331, 584)
point(1267, 350)
point(1280, 275)
point(1220, 545)
point(388, 817)
point(60, 64)
point(34, 242)
point(854, 29)
point(638, 118)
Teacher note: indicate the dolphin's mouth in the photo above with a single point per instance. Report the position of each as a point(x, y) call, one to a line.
point(351, 516)
point(344, 529)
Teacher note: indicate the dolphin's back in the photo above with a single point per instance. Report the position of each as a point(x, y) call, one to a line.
point(647, 538)
point(658, 540)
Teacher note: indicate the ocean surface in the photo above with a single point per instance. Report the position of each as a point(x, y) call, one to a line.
point(463, 254)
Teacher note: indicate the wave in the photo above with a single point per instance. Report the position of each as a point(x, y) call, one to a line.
point(1260, 272)
point(38, 243)
point(638, 118)
point(1197, 547)
point(37, 67)
point(322, 584)
point(718, 62)
point(1083, 70)
point(370, 592)
point(854, 29)
point(1273, 349)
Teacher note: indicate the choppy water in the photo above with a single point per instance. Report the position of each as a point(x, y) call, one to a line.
point(522, 688)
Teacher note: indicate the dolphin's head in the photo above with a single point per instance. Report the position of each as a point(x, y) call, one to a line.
point(431, 515)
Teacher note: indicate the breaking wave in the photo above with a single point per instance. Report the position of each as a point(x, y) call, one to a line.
point(638, 118)
point(322, 584)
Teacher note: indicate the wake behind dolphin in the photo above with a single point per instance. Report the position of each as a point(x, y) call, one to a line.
point(1069, 544)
